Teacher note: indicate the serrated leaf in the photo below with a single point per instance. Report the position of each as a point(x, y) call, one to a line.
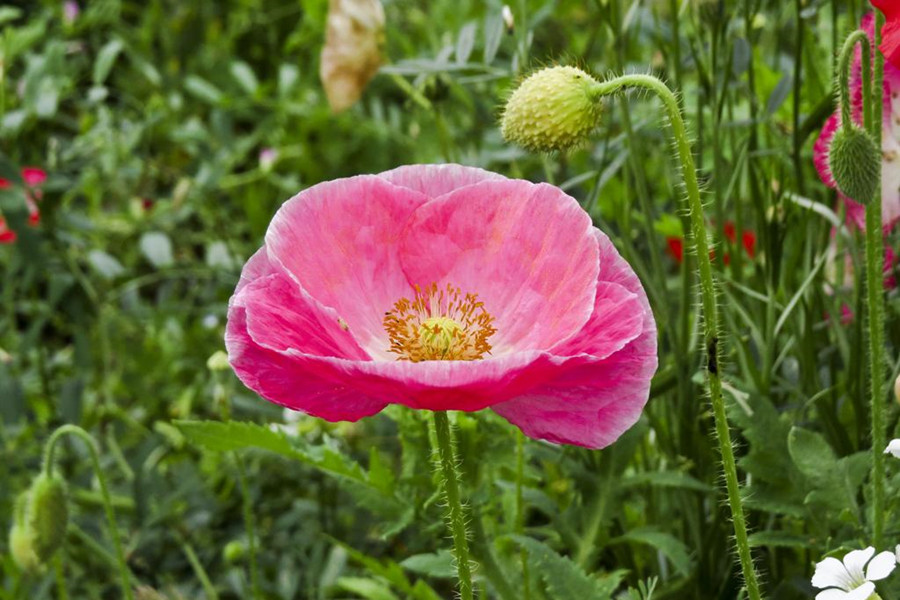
point(106, 58)
point(672, 547)
point(157, 248)
point(237, 435)
point(563, 578)
point(439, 564)
point(812, 455)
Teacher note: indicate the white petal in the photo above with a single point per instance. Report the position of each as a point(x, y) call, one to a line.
point(831, 573)
point(856, 560)
point(881, 566)
point(832, 594)
point(893, 448)
point(862, 592)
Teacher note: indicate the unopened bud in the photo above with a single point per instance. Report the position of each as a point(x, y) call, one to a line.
point(897, 389)
point(41, 518)
point(855, 163)
point(553, 109)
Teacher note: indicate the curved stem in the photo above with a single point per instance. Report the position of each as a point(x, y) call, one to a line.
point(700, 245)
point(862, 40)
point(456, 519)
point(875, 298)
point(49, 451)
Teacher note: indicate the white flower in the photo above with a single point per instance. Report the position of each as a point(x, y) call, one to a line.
point(847, 580)
point(893, 448)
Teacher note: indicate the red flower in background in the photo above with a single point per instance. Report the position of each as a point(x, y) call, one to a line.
point(890, 33)
point(675, 245)
point(33, 178)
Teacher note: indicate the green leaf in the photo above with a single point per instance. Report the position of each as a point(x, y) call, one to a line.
point(438, 564)
point(237, 435)
point(780, 539)
point(157, 248)
point(202, 89)
point(672, 547)
point(465, 43)
point(563, 578)
point(812, 455)
point(105, 60)
point(106, 265)
point(245, 76)
point(366, 588)
point(9, 13)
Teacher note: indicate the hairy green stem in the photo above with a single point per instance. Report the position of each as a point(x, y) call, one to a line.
point(520, 512)
point(249, 525)
point(875, 296)
point(49, 451)
point(857, 38)
point(700, 243)
point(456, 519)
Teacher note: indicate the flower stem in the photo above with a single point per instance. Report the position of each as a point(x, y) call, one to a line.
point(456, 519)
point(700, 246)
point(49, 451)
point(249, 525)
point(875, 298)
point(520, 512)
point(856, 38)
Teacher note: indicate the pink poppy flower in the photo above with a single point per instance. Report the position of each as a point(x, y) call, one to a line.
point(445, 288)
point(890, 165)
point(33, 178)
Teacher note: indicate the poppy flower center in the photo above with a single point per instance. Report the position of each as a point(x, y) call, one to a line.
point(439, 324)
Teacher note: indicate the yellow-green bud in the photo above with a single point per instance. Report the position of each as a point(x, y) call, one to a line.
point(855, 163)
point(41, 518)
point(234, 551)
point(21, 538)
point(218, 361)
point(553, 109)
point(47, 514)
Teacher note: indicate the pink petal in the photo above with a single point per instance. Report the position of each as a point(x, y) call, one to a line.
point(437, 180)
point(281, 316)
point(339, 241)
point(596, 401)
point(526, 250)
point(293, 383)
point(617, 319)
point(822, 147)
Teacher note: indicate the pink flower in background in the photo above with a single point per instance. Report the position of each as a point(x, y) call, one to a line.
point(445, 288)
point(70, 12)
point(267, 158)
point(890, 166)
point(33, 178)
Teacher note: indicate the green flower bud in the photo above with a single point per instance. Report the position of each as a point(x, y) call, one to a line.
point(47, 514)
point(21, 539)
point(855, 163)
point(553, 109)
point(39, 527)
point(234, 551)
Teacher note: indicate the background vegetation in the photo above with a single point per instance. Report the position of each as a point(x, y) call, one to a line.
point(149, 119)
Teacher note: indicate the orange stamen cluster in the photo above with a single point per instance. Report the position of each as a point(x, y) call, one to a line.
point(439, 324)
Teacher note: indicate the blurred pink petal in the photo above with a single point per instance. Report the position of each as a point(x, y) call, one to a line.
point(33, 176)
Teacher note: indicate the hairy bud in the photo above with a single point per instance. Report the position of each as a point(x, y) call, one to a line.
point(39, 527)
point(553, 109)
point(855, 163)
